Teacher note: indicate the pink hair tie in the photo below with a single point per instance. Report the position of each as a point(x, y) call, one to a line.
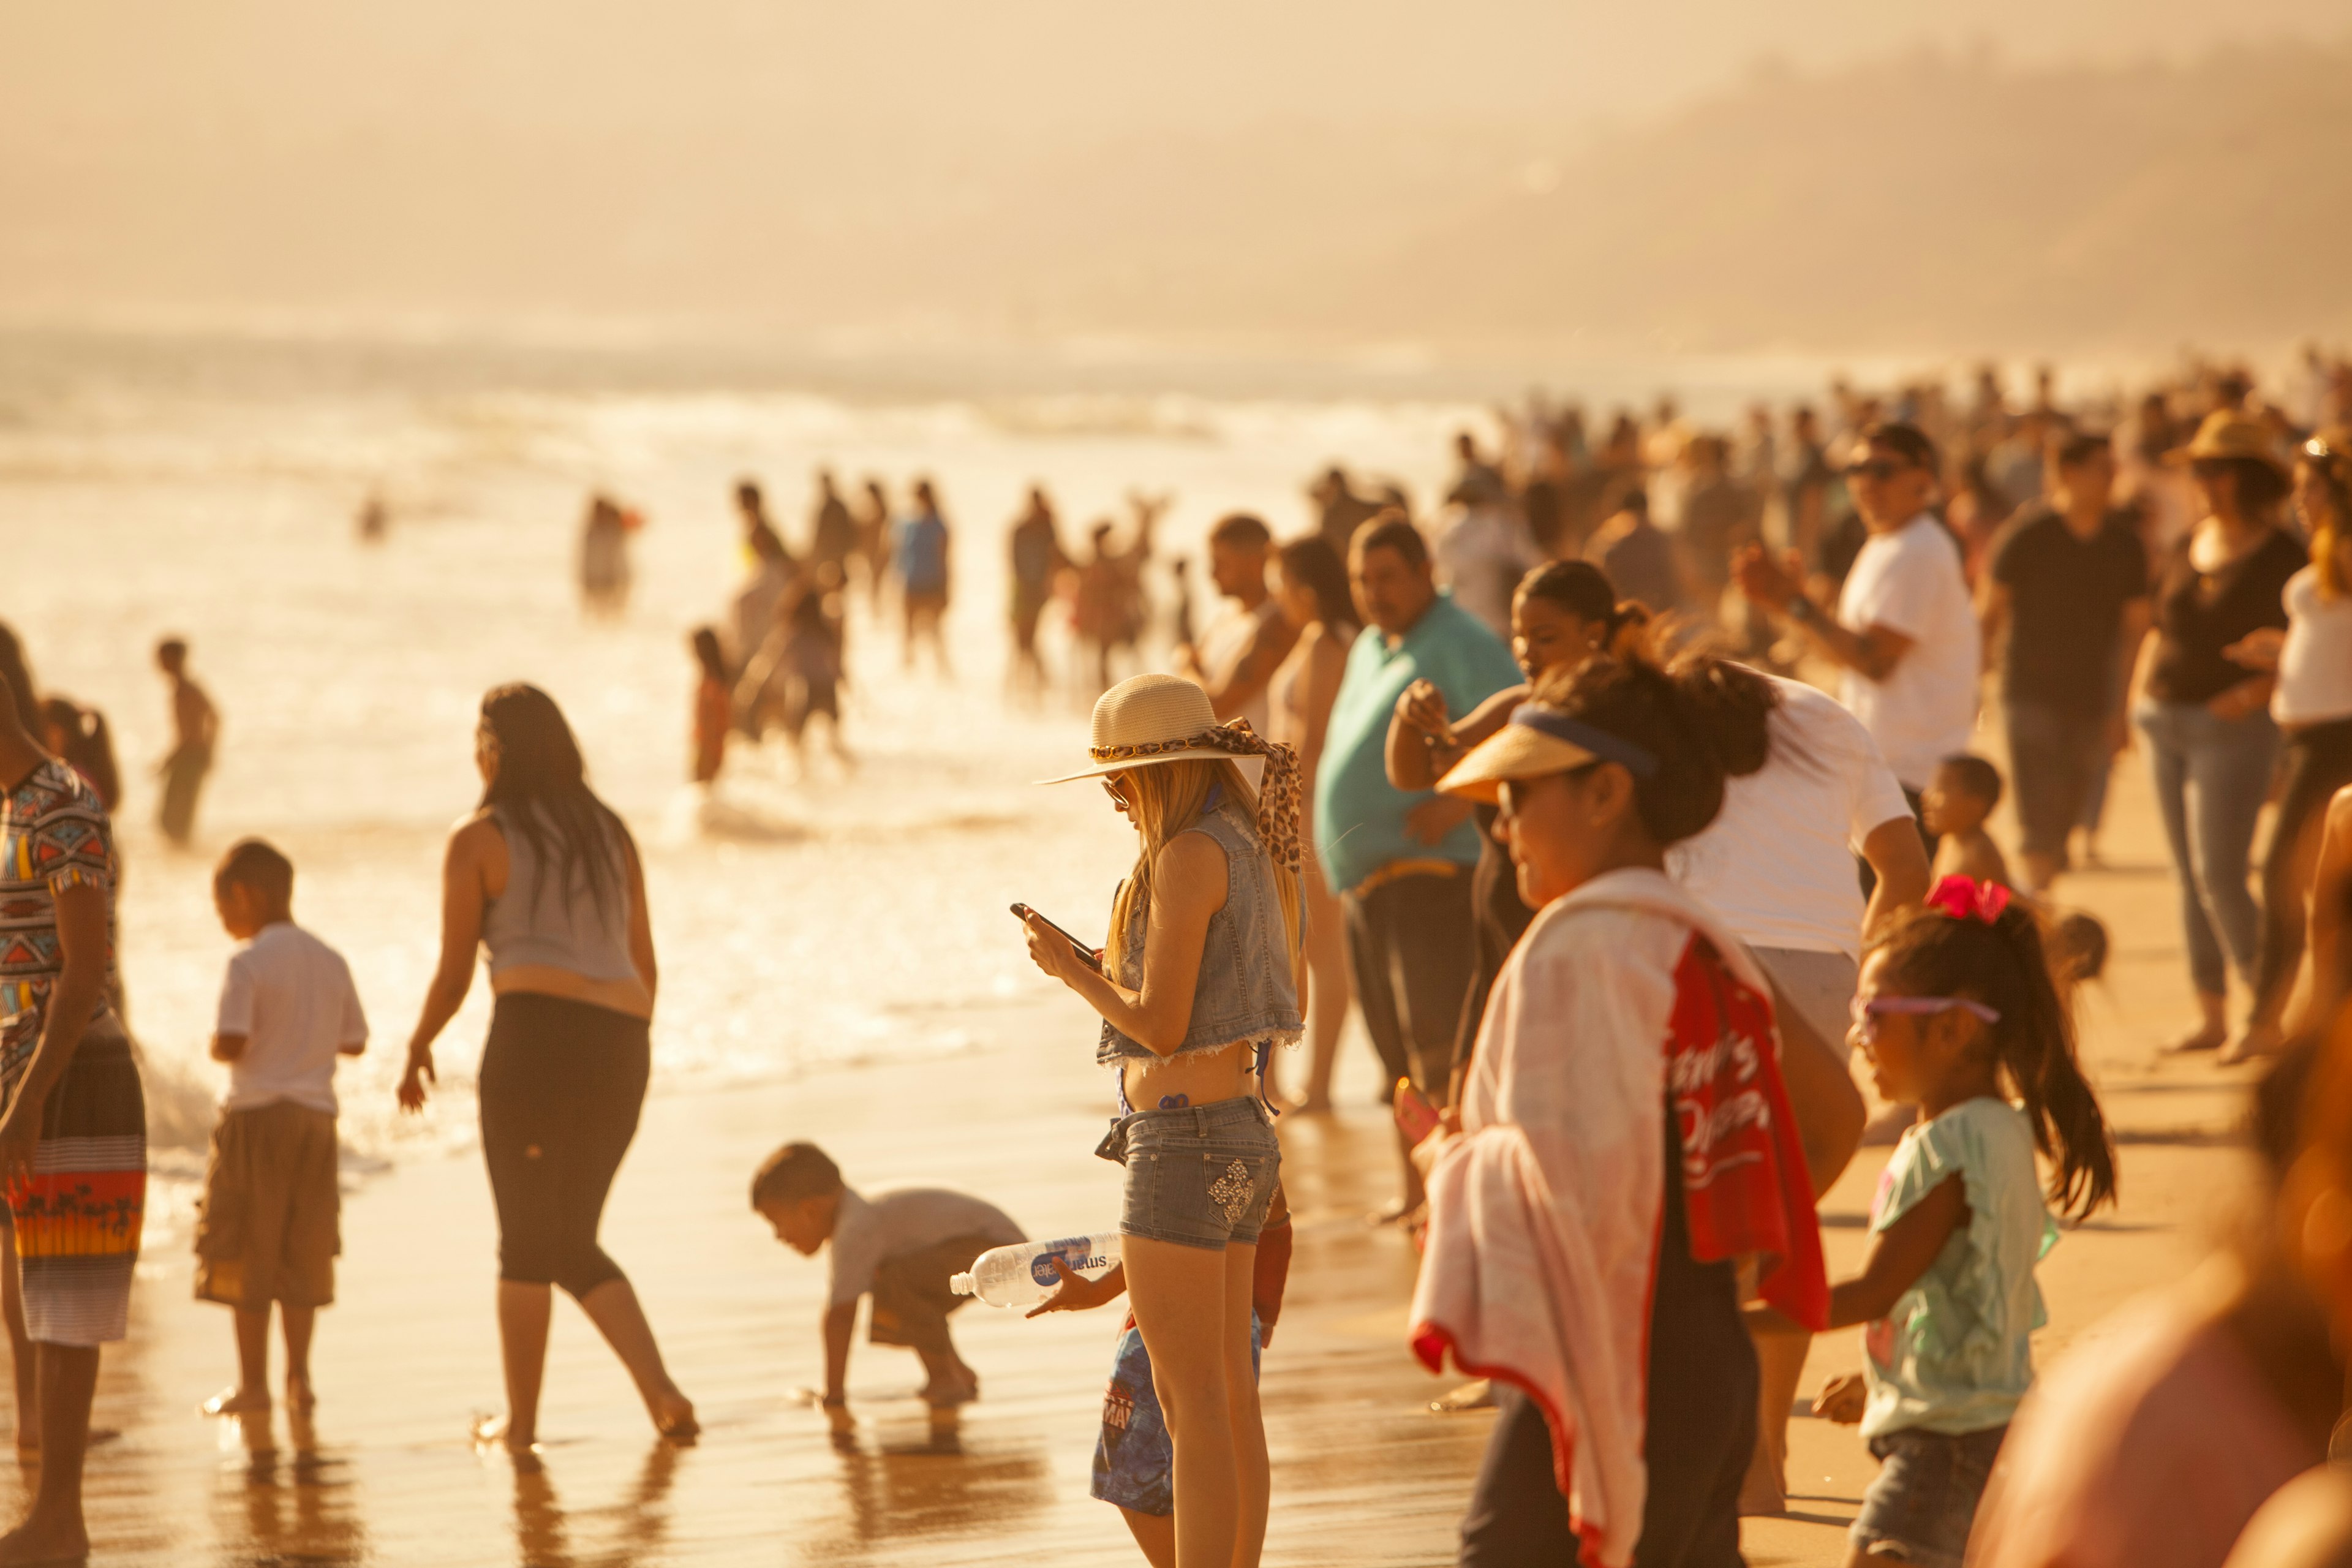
point(1963, 900)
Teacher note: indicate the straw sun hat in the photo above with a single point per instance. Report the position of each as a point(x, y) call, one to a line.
point(1539, 741)
point(1152, 719)
point(1145, 719)
point(2226, 437)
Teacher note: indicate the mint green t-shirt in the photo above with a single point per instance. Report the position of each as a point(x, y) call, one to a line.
point(1358, 815)
point(1956, 1354)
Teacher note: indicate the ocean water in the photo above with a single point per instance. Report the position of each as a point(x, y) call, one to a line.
point(805, 923)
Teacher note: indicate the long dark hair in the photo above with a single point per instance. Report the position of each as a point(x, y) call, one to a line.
point(89, 746)
point(17, 676)
point(540, 789)
point(2005, 966)
point(1313, 565)
point(1705, 719)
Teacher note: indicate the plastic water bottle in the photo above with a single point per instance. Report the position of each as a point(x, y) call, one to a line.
point(1022, 1273)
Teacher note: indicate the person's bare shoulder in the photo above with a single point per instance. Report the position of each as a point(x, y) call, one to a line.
point(1191, 861)
point(2308, 1523)
point(2339, 813)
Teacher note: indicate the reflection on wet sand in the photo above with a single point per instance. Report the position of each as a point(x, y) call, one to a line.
point(902, 1479)
point(296, 1504)
point(635, 1527)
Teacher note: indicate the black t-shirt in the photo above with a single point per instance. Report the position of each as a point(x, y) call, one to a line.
point(1640, 566)
point(2066, 597)
point(2198, 614)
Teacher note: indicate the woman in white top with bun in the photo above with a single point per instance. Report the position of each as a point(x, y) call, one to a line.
point(1778, 864)
point(2312, 704)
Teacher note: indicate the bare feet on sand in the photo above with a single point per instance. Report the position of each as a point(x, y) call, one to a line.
point(237, 1401)
point(2254, 1040)
point(299, 1395)
point(44, 1540)
point(2206, 1036)
point(946, 1393)
point(497, 1432)
point(1475, 1395)
point(673, 1415)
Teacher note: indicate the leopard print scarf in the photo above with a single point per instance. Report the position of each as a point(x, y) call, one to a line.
point(1277, 793)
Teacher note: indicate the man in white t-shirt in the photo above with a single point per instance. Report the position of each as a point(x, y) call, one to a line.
point(1904, 634)
point(271, 1223)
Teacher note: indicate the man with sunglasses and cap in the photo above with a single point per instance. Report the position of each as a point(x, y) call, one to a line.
point(1905, 633)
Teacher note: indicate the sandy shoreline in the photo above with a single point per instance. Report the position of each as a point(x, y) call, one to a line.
point(1363, 1474)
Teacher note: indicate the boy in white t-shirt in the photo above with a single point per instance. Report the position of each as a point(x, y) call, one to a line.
point(270, 1228)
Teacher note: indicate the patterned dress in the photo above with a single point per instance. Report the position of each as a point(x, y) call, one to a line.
point(78, 1220)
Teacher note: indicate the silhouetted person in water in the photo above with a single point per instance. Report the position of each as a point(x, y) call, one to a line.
point(195, 727)
point(873, 541)
point(919, 552)
point(1037, 560)
point(833, 535)
point(604, 557)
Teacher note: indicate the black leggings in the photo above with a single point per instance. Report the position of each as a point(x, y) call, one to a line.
point(561, 1083)
point(2318, 763)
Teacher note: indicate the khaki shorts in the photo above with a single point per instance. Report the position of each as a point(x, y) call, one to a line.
point(271, 1225)
point(911, 1299)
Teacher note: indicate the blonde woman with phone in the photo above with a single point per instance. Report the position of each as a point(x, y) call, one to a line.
point(1201, 977)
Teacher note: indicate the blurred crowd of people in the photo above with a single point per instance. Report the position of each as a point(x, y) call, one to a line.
point(2171, 571)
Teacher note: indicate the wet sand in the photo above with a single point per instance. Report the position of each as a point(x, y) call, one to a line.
point(1362, 1472)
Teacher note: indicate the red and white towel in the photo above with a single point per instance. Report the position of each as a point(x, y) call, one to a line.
point(1544, 1216)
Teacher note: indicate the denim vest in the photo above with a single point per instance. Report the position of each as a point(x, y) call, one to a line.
point(1245, 991)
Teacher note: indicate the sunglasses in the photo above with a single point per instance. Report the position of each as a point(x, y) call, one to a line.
point(1868, 1011)
point(1878, 469)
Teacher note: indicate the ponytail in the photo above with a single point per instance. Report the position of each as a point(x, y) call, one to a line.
point(1731, 709)
point(2004, 964)
point(1703, 718)
point(1629, 630)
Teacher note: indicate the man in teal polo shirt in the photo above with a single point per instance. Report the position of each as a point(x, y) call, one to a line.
point(1400, 860)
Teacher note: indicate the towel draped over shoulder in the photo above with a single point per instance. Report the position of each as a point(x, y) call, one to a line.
point(1623, 997)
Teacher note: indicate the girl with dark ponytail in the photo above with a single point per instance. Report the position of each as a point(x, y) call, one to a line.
point(1957, 1012)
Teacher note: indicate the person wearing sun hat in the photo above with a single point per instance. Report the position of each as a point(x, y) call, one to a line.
point(1201, 979)
point(2212, 742)
point(1625, 1137)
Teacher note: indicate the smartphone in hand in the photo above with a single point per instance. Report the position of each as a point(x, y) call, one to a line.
point(1085, 954)
point(1415, 1114)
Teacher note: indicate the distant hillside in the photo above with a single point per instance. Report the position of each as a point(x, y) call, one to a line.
point(1924, 203)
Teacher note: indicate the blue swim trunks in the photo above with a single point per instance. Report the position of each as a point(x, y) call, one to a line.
point(1134, 1462)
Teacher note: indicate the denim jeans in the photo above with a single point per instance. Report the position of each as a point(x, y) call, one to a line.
point(2211, 776)
point(2055, 761)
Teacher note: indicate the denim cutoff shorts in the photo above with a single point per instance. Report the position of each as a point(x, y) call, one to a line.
point(1925, 1499)
point(1199, 1175)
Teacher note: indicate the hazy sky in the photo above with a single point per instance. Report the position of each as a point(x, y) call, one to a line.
point(236, 68)
point(800, 158)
